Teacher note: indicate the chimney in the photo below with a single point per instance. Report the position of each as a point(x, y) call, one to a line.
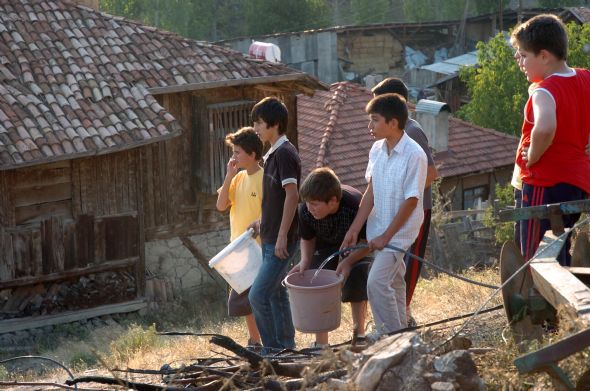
point(434, 118)
point(94, 4)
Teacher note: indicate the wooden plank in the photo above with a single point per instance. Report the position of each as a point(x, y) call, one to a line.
point(57, 238)
point(111, 185)
point(164, 182)
point(561, 288)
point(44, 175)
point(41, 194)
point(99, 241)
point(76, 189)
point(148, 186)
point(132, 179)
point(140, 267)
point(159, 212)
point(7, 264)
point(68, 274)
point(18, 324)
point(84, 240)
point(22, 253)
point(36, 252)
point(69, 243)
point(116, 238)
point(27, 214)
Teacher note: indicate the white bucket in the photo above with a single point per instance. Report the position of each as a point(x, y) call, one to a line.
point(239, 262)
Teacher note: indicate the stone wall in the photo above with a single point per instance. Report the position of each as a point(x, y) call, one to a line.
point(371, 52)
point(172, 260)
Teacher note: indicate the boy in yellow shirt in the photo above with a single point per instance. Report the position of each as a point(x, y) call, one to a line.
point(242, 193)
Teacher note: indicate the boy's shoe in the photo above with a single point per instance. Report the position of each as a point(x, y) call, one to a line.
point(316, 345)
point(373, 336)
point(412, 321)
point(252, 344)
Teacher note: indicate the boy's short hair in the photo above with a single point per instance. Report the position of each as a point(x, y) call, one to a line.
point(391, 85)
point(272, 111)
point(247, 139)
point(389, 106)
point(321, 185)
point(544, 31)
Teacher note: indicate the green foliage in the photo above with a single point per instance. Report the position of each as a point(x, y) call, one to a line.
point(497, 87)
point(428, 10)
point(83, 360)
point(134, 340)
point(3, 372)
point(503, 231)
point(559, 3)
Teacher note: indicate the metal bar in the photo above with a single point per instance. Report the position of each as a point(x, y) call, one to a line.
point(545, 211)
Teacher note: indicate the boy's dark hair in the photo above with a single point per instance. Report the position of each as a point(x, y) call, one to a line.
point(391, 85)
point(272, 111)
point(389, 106)
point(247, 139)
point(544, 31)
point(321, 185)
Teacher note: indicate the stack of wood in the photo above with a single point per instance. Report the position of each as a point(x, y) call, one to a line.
point(158, 290)
point(402, 361)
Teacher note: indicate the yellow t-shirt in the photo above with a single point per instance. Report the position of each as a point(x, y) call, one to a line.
point(245, 196)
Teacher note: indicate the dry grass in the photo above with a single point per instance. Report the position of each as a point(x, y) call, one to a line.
point(137, 346)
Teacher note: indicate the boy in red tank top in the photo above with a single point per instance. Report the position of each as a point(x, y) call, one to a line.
point(554, 166)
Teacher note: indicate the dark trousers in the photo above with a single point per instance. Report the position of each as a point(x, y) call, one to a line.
point(533, 230)
point(413, 266)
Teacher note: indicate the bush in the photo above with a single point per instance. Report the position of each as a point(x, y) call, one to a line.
point(503, 231)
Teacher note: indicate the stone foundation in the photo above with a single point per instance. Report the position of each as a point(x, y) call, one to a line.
point(172, 260)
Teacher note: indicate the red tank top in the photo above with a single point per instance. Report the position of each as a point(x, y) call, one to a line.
point(565, 161)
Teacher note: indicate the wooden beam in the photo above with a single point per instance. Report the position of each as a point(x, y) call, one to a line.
point(11, 325)
point(303, 77)
point(102, 267)
point(557, 284)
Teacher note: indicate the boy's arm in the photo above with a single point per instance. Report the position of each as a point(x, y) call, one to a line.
point(223, 201)
point(545, 126)
point(307, 250)
point(365, 207)
point(289, 209)
point(404, 212)
point(431, 175)
point(350, 260)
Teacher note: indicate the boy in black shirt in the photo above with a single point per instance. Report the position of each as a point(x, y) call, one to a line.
point(327, 211)
point(277, 227)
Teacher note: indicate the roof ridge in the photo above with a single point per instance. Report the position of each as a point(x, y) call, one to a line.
point(332, 105)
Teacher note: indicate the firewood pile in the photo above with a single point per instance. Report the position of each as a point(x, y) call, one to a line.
point(399, 362)
point(69, 295)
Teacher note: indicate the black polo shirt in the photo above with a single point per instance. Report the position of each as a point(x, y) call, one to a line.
point(329, 232)
point(281, 167)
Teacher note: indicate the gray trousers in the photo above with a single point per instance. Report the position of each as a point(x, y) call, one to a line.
point(386, 289)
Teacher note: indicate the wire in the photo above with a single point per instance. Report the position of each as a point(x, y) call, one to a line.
point(42, 358)
point(425, 262)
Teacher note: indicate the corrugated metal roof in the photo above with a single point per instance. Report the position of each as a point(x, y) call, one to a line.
point(453, 65)
point(431, 106)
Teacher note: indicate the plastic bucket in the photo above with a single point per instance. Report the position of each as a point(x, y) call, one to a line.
point(315, 306)
point(239, 262)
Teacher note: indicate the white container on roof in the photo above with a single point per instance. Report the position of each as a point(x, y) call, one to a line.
point(431, 106)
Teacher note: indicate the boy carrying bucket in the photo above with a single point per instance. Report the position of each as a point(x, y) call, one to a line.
point(277, 225)
point(242, 193)
point(391, 207)
point(325, 215)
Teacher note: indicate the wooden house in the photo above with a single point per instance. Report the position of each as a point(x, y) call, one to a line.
point(111, 147)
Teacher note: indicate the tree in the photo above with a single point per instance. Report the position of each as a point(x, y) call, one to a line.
point(497, 87)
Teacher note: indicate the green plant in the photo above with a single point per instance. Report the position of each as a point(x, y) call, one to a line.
point(83, 360)
point(3, 372)
point(503, 231)
point(135, 339)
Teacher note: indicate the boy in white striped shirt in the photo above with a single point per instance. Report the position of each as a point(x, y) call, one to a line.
point(391, 206)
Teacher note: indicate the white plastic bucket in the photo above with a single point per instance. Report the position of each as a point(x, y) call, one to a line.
point(315, 305)
point(239, 262)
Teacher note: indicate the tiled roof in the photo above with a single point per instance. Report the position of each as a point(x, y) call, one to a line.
point(581, 13)
point(76, 82)
point(332, 130)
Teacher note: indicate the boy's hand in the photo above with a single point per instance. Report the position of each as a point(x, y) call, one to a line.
point(281, 247)
point(379, 242)
point(232, 168)
point(350, 239)
point(256, 227)
point(299, 268)
point(343, 269)
point(525, 154)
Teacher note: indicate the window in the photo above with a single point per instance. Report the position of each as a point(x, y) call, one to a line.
point(474, 196)
point(224, 118)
